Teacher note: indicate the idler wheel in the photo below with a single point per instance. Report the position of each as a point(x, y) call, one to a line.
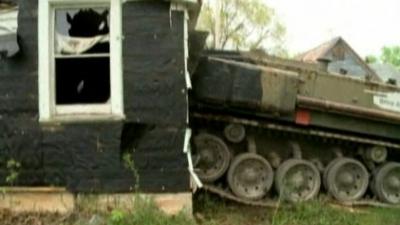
point(377, 154)
point(214, 157)
point(297, 180)
point(250, 176)
point(346, 179)
point(235, 133)
point(386, 183)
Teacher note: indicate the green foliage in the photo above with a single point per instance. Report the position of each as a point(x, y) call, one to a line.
point(320, 212)
point(242, 24)
point(378, 216)
point(147, 213)
point(130, 164)
point(391, 55)
point(314, 212)
point(117, 217)
point(371, 59)
point(211, 210)
point(13, 168)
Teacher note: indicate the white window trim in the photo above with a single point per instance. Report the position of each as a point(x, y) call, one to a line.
point(48, 111)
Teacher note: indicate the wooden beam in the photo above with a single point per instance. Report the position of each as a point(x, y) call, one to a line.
point(52, 200)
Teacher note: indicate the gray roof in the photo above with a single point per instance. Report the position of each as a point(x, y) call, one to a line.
point(318, 52)
point(322, 51)
point(386, 71)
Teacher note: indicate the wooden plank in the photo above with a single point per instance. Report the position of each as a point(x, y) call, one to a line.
point(170, 203)
point(37, 200)
point(59, 200)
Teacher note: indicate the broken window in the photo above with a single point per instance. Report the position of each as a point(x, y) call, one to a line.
point(343, 71)
point(82, 76)
point(82, 56)
point(8, 29)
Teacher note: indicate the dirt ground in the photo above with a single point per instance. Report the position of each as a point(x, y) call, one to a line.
point(8, 218)
point(76, 218)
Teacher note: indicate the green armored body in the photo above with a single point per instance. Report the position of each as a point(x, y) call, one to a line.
point(267, 123)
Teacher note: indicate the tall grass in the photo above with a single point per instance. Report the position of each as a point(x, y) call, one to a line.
point(146, 212)
point(321, 212)
point(215, 211)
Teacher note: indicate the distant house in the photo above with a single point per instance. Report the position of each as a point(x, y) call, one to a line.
point(339, 58)
point(387, 72)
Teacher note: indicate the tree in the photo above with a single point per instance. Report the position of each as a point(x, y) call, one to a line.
point(371, 59)
point(242, 24)
point(391, 55)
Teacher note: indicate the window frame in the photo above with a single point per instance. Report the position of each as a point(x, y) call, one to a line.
point(49, 111)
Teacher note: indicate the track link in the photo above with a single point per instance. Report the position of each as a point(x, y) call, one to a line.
point(272, 203)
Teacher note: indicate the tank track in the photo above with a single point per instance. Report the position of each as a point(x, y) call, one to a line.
point(271, 203)
point(208, 119)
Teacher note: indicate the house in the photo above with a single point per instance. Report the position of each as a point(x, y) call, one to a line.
point(93, 86)
point(338, 56)
point(386, 72)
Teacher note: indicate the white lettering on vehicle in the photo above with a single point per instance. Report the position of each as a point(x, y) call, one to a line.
point(388, 101)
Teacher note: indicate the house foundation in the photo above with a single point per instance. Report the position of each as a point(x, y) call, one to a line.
point(59, 200)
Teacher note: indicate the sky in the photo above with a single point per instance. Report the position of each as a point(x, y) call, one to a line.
point(367, 25)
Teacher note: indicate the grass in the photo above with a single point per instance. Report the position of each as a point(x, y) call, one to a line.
point(213, 211)
point(147, 213)
point(320, 212)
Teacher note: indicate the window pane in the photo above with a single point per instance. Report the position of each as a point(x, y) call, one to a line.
point(82, 30)
point(82, 80)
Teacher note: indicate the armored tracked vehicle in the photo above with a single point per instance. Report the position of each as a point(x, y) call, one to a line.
point(268, 127)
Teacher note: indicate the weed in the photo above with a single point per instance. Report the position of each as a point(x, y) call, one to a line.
point(13, 168)
point(146, 212)
point(129, 163)
point(117, 217)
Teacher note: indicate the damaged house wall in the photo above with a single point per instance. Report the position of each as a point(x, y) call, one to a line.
point(87, 156)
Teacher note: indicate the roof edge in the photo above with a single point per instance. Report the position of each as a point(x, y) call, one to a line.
point(193, 7)
point(323, 47)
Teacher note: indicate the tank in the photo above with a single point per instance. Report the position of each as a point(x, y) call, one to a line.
point(271, 128)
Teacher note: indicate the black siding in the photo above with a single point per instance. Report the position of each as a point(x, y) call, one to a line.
point(154, 80)
point(87, 157)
